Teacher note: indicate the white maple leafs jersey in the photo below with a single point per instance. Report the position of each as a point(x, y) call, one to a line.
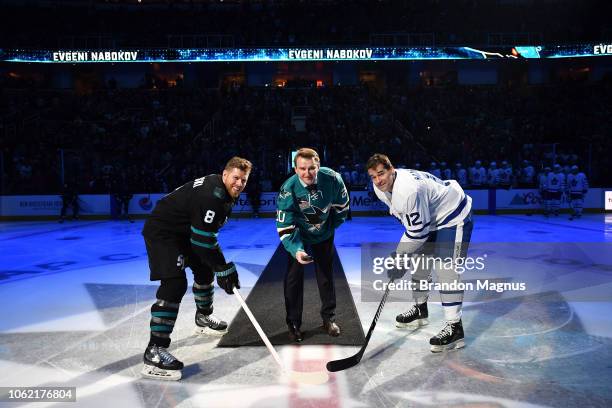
point(424, 203)
point(505, 176)
point(577, 183)
point(493, 177)
point(478, 176)
point(542, 180)
point(462, 177)
point(527, 175)
point(555, 181)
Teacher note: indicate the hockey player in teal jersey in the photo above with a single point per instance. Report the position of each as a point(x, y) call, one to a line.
point(311, 205)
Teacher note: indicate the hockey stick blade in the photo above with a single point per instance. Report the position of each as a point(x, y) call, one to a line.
point(344, 363)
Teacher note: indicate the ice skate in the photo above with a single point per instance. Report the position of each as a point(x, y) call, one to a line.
point(209, 325)
point(159, 364)
point(449, 338)
point(415, 317)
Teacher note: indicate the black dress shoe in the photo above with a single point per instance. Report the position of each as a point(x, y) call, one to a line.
point(295, 335)
point(331, 328)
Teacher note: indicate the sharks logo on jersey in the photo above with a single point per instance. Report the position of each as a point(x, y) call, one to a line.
point(315, 194)
point(284, 194)
point(313, 214)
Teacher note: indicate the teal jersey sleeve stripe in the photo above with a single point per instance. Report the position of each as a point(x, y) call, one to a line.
point(202, 244)
point(204, 233)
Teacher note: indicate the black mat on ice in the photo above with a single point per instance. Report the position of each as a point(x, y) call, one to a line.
point(267, 302)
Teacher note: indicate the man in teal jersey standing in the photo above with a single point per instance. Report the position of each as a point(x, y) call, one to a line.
point(311, 205)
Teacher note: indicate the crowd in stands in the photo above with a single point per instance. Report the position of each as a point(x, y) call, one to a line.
point(90, 139)
point(544, 124)
point(117, 24)
point(159, 139)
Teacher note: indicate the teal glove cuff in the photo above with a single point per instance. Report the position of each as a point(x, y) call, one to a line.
point(231, 268)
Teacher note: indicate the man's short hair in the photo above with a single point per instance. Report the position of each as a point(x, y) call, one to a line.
point(307, 153)
point(238, 163)
point(376, 159)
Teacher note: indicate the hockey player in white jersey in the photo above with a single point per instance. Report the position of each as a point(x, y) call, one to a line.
point(433, 169)
point(478, 175)
point(527, 175)
point(577, 187)
point(432, 211)
point(542, 183)
point(493, 175)
point(555, 186)
point(461, 175)
point(445, 171)
point(505, 175)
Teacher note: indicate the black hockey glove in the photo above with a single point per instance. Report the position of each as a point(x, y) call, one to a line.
point(395, 273)
point(227, 278)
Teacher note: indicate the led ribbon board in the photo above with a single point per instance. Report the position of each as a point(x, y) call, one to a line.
point(302, 54)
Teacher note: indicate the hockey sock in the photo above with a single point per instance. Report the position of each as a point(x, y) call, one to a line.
point(452, 300)
point(452, 311)
point(420, 292)
point(578, 207)
point(556, 205)
point(203, 295)
point(163, 316)
point(165, 310)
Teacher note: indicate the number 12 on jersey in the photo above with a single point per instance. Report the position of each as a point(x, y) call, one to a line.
point(413, 219)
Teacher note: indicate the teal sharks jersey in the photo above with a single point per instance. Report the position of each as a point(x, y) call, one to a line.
point(310, 214)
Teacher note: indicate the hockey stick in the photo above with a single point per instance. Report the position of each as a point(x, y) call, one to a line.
point(259, 329)
point(314, 378)
point(343, 364)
